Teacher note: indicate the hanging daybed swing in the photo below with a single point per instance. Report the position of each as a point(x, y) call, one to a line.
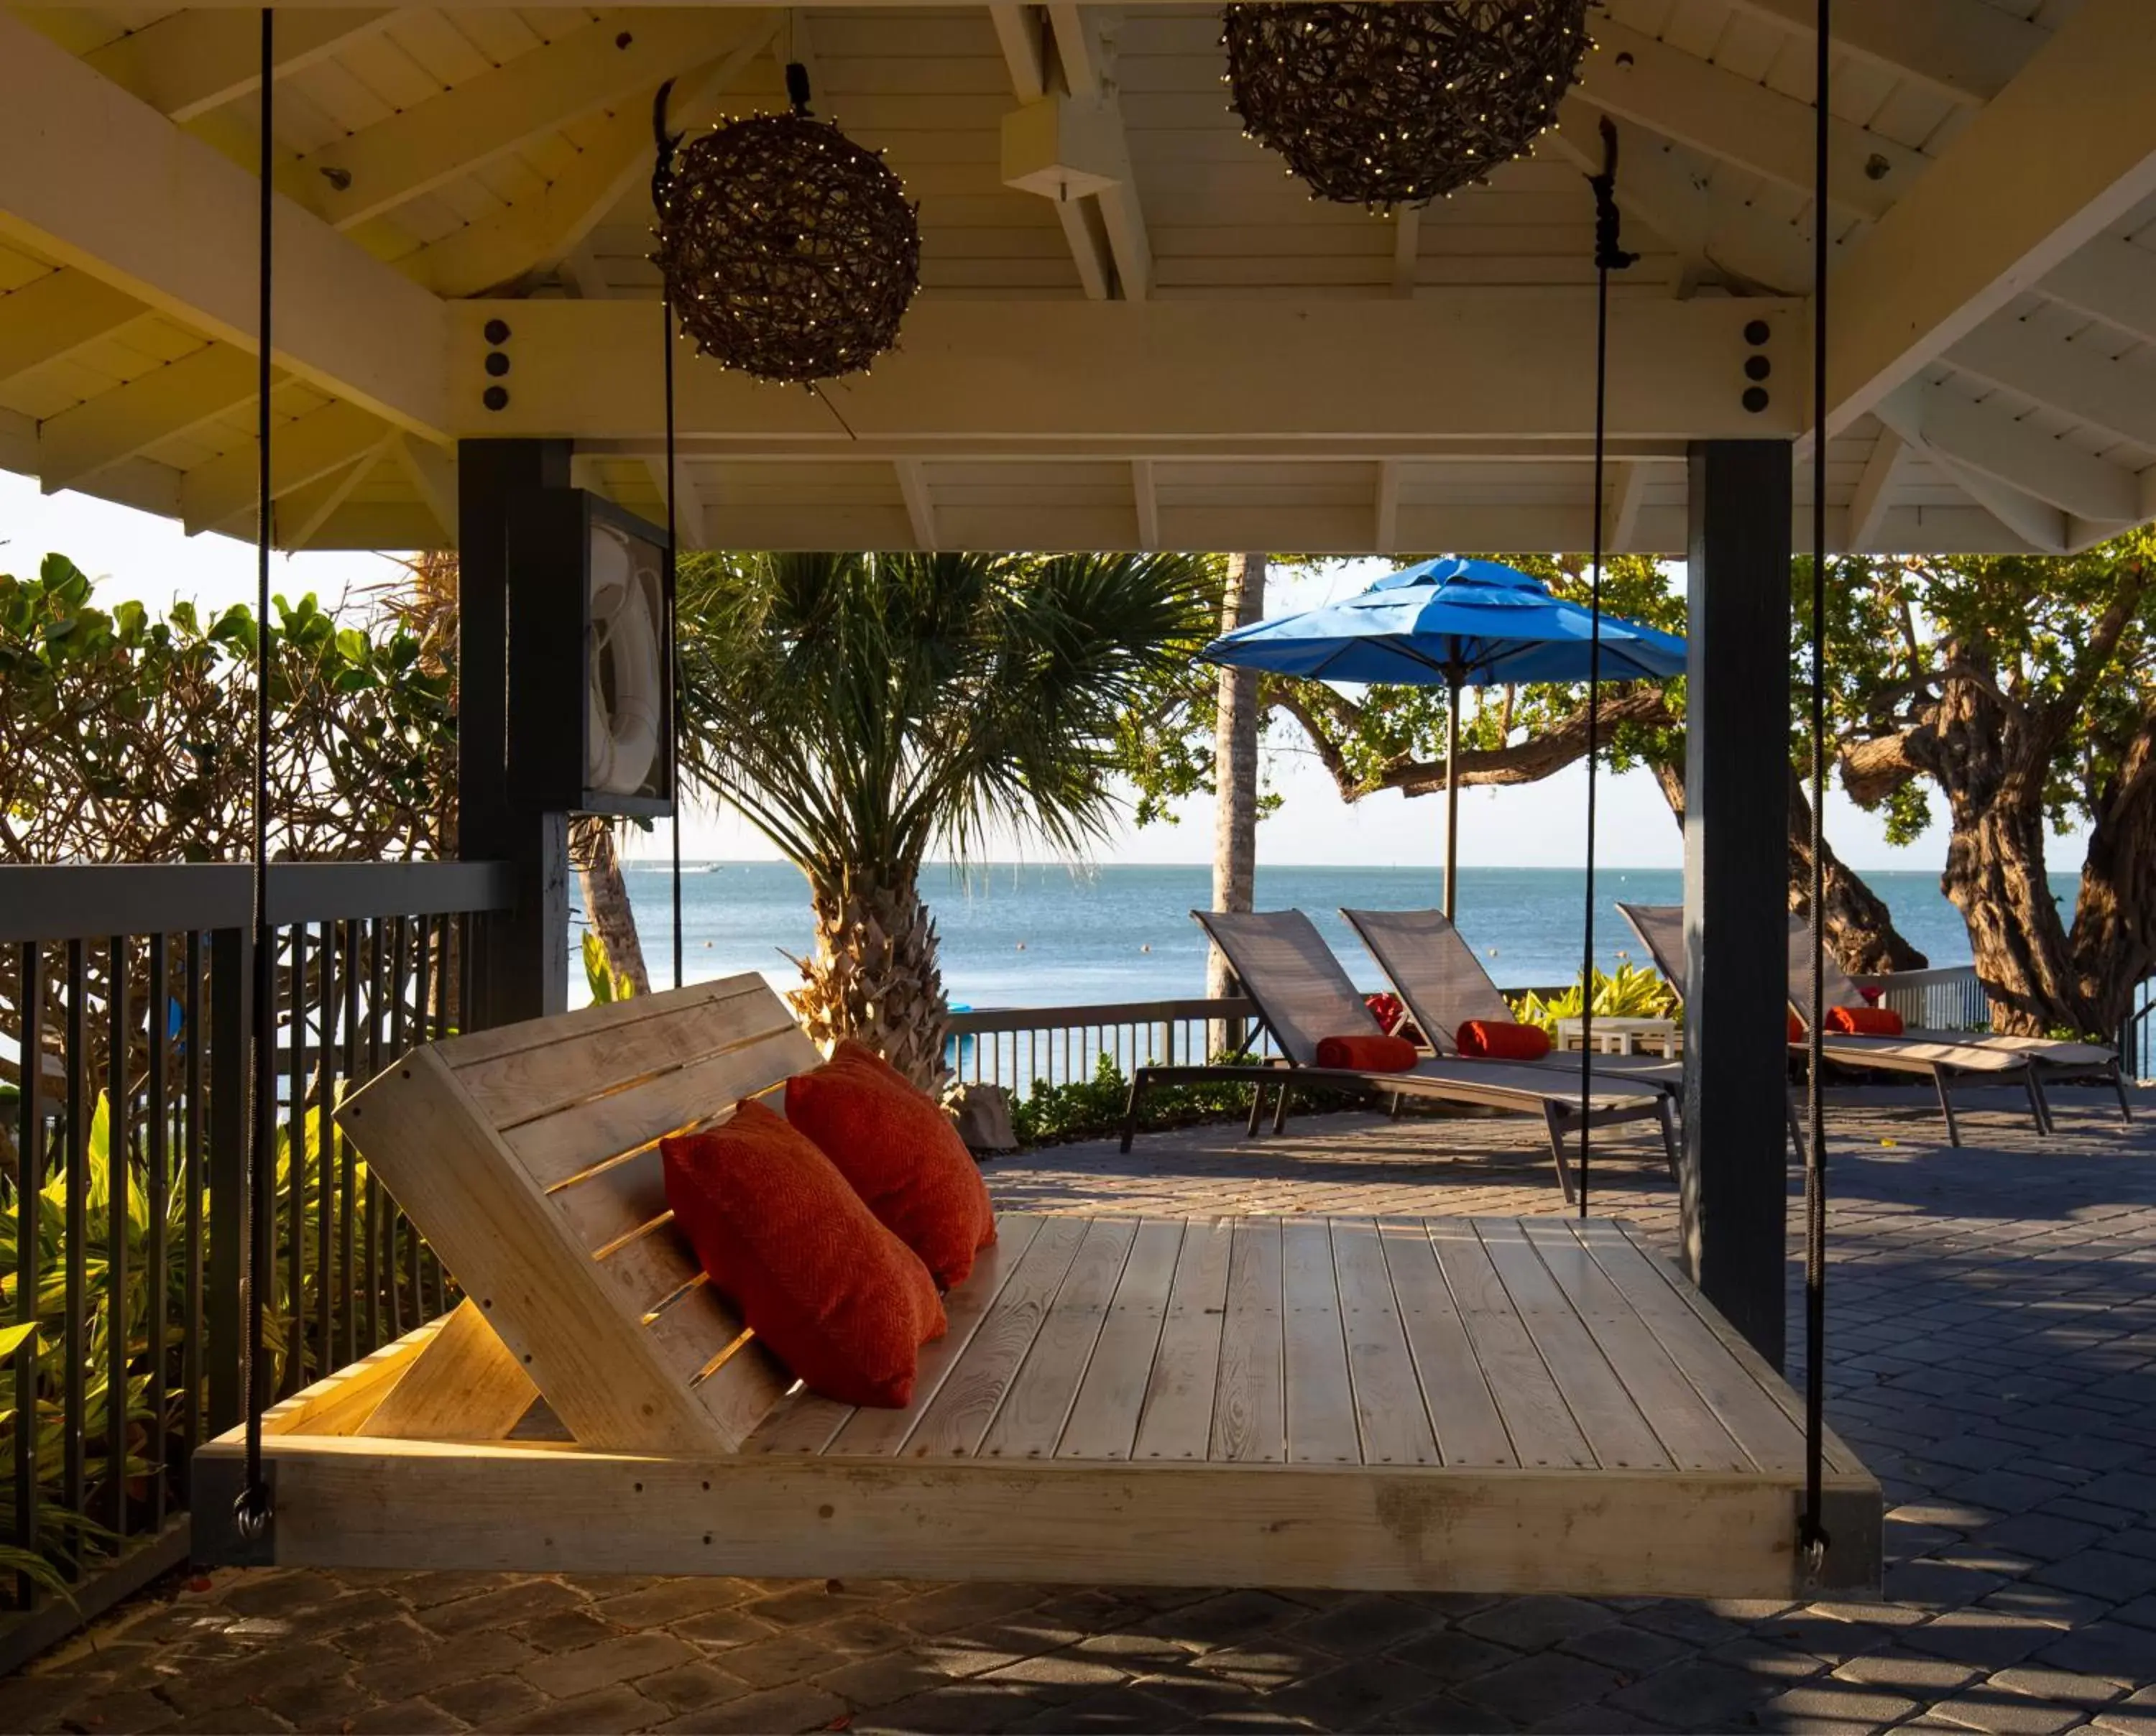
point(1406, 1404)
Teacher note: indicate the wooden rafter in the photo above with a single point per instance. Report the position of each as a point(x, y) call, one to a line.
point(1979, 437)
point(2117, 394)
point(130, 419)
point(920, 507)
point(1145, 496)
point(434, 142)
point(54, 315)
point(1653, 85)
point(187, 62)
point(1875, 491)
point(94, 178)
point(214, 496)
point(2064, 153)
point(1966, 51)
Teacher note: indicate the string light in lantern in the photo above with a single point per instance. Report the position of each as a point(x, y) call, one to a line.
point(790, 252)
point(1383, 105)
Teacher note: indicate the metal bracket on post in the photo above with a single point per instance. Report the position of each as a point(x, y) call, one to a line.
point(1852, 1562)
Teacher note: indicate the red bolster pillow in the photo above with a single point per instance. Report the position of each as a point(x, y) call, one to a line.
point(1796, 1032)
point(1368, 1052)
point(899, 1150)
point(1494, 1040)
point(836, 1296)
point(1864, 1020)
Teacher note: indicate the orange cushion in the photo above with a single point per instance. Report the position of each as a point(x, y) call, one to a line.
point(836, 1296)
point(903, 1156)
point(1796, 1032)
point(1367, 1053)
point(1864, 1020)
point(1494, 1040)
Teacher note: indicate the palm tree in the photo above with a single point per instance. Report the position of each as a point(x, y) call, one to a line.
point(865, 710)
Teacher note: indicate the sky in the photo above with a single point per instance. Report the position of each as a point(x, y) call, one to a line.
point(136, 555)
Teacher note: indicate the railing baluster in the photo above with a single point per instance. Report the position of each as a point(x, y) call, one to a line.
point(348, 1329)
point(118, 1232)
point(296, 1166)
point(395, 1217)
point(74, 1398)
point(191, 1349)
point(30, 1180)
point(326, 1143)
point(375, 990)
point(156, 1272)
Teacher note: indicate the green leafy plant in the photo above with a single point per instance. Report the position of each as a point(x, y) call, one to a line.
point(607, 984)
point(1633, 991)
point(1090, 1108)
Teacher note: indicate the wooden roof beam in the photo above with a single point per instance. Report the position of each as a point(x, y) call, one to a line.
point(1145, 496)
point(1628, 495)
point(94, 178)
point(623, 55)
point(1168, 375)
point(187, 62)
point(1875, 490)
point(1980, 439)
point(2112, 280)
point(1963, 50)
point(56, 315)
point(127, 421)
point(920, 505)
point(2063, 153)
point(2117, 395)
point(217, 495)
point(1715, 236)
point(538, 233)
point(1681, 97)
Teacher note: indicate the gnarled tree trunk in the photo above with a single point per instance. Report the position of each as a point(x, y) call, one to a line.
point(874, 976)
point(1986, 756)
point(1860, 928)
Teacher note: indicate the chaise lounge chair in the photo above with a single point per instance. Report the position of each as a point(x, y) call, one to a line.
point(2055, 1060)
point(1302, 997)
point(1444, 985)
point(1661, 928)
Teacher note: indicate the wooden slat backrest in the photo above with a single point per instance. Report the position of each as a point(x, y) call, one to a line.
point(528, 1156)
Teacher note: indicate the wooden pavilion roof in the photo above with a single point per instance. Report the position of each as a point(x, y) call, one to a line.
point(1196, 357)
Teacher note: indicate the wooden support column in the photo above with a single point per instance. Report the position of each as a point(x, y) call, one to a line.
point(1737, 727)
point(524, 967)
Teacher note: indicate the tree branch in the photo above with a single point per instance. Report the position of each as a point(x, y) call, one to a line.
point(1873, 770)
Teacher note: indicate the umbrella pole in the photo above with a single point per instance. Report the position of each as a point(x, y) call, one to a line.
point(1451, 792)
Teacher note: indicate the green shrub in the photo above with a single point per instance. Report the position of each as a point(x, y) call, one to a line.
point(1635, 992)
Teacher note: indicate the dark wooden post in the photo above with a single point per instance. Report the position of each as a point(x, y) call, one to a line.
point(230, 1036)
point(1737, 732)
point(524, 973)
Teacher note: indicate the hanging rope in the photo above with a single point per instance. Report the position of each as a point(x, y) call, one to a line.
point(251, 1511)
point(1812, 1535)
point(1608, 256)
point(662, 185)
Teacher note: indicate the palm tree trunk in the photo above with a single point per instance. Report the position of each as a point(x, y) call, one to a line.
point(1235, 778)
point(606, 901)
point(875, 977)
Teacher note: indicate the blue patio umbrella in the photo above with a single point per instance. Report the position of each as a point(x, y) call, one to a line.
point(1452, 623)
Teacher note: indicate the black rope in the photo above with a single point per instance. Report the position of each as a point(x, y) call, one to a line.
point(1608, 256)
point(1812, 1535)
point(251, 1511)
point(662, 185)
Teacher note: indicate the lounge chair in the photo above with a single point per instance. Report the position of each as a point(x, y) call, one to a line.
point(1443, 984)
point(1302, 997)
point(2055, 1060)
point(1415, 1404)
point(1661, 928)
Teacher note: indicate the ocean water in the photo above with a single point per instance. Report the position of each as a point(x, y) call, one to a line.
point(1043, 935)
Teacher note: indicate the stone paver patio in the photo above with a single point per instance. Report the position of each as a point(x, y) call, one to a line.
point(1994, 1357)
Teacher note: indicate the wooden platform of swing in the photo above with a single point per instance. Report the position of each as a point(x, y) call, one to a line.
point(1433, 1403)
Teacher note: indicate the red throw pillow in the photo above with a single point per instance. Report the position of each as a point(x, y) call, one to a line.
point(1368, 1052)
point(1494, 1040)
point(903, 1156)
point(837, 1298)
point(1796, 1032)
point(1864, 1020)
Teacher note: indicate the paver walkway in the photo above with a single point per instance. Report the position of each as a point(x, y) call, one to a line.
point(1993, 1356)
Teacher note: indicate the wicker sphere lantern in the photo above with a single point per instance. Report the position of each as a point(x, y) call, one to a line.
point(788, 251)
point(1383, 105)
